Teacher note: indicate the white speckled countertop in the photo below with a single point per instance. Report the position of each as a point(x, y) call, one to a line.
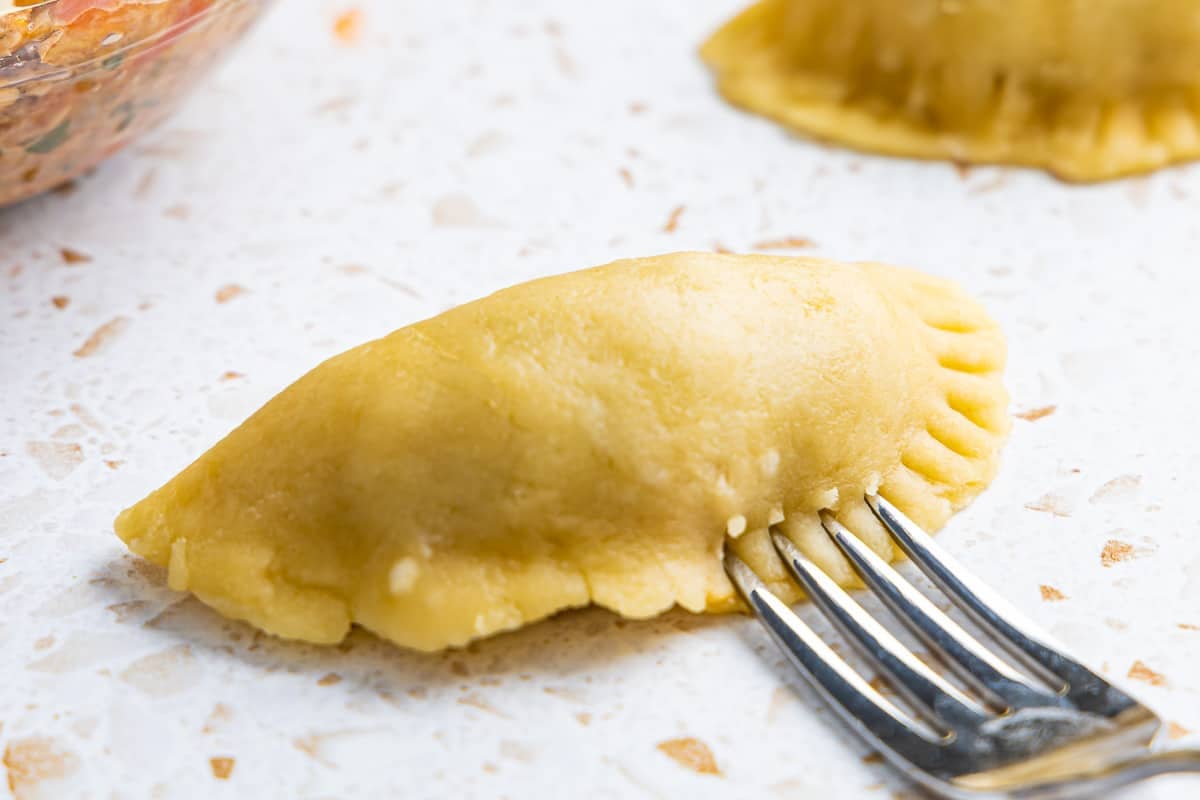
point(317, 193)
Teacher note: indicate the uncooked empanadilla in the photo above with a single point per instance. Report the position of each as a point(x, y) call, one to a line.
point(595, 437)
point(1088, 90)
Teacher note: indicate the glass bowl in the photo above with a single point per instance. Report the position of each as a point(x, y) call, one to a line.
point(80, 79)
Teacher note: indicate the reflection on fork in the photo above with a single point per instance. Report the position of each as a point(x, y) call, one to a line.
point(1059, 731)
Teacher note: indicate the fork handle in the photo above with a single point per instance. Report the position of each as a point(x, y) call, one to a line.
point(1119, 773)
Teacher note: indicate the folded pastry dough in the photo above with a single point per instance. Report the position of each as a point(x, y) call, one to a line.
point(588, 438)
point(1087, 90)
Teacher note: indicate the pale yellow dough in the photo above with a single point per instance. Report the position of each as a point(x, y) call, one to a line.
point(1088, 89)
point(587, 438)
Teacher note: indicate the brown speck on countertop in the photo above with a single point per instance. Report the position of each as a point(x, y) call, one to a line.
point(872, 758)
point(626, 176)
point(163, 673)
point(673, 219)
point(124, 611)
point(341, 102)
point(691, 753)
point(72, 256)
point(1140, 672)
point(102, 336)
point(86, 417)
point(1051, 503)
point(1187, 626)
point(230, 375)
point(583, 718)
point(60, 301)
point(329, 679)
point(308, 745)
point(348, 25)
point(637, 108)
point(222, 767)
point(566, 64)
point(220, 713)
point(69, 432)
point(1177, 731)
point(1118, 488)
point(146, 184)
point(457, 210)
point(781, 698)
point(1138, 191)
point(34, 759)
point(44, 643)
point(785, 243)
point(1051, 595)
point(516, 751)
point(112, 463)
point(998, 182)
point(487, 143)
point(1116, 551)
point(228, 292)
point(474, 700)
point(179, 211)
point(57, 459)
point(1034, 414)
point(566, 692)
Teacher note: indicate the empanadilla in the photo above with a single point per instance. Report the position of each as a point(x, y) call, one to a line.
point(595, 437)
point(1088, 90)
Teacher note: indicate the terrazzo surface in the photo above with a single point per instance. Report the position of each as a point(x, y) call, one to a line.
point(351, 169)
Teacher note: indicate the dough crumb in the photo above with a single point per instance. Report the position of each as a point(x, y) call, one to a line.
point(735, 526)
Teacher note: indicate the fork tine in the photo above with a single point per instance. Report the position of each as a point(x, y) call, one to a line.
point(941, 702)
point(995, 680)
point(877, 720)
point(1012, 630)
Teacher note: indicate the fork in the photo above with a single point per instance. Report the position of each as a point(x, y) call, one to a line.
point(1060, 731)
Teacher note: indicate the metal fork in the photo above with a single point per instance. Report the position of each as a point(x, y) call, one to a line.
point(1064, 732)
